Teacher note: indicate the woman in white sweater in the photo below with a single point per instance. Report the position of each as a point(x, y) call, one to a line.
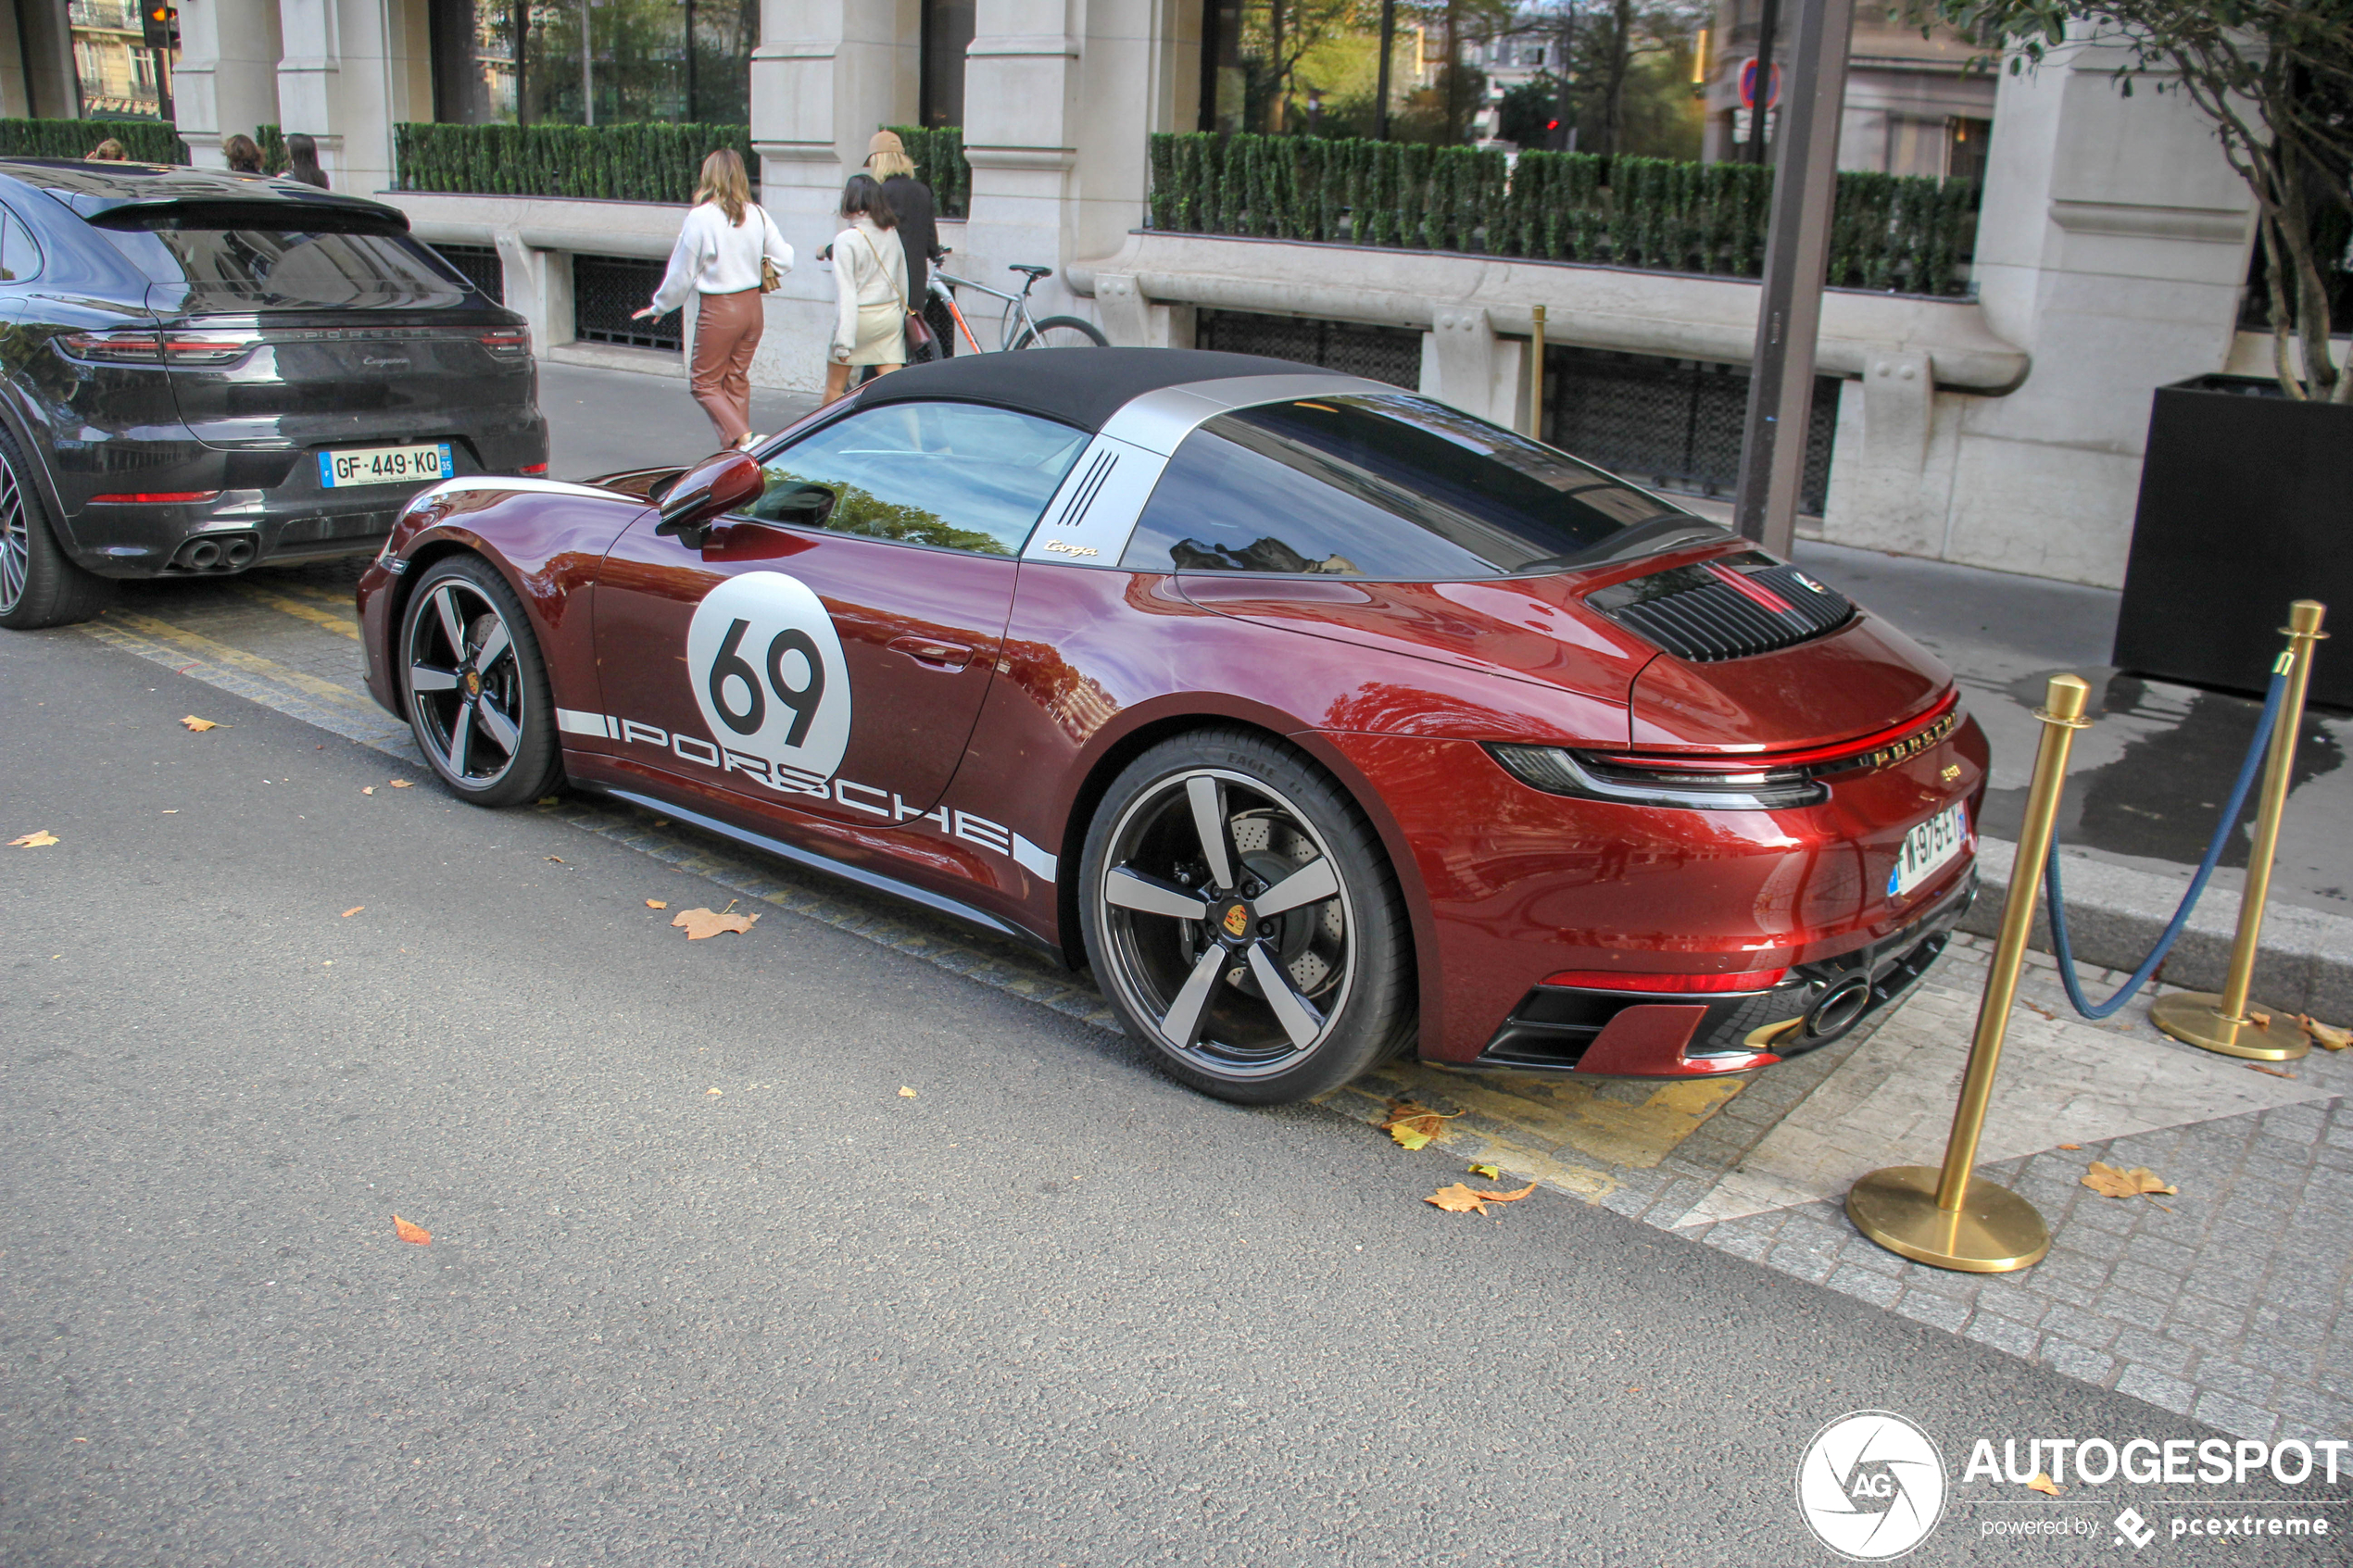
point(719, 254)
point(870, 288)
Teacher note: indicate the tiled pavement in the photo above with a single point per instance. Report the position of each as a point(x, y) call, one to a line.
point(2223, 1302)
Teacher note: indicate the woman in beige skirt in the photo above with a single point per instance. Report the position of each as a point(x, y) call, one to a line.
point(870, 288)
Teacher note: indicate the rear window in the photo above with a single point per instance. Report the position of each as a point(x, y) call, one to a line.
point(291, 267)
point(1394, 488)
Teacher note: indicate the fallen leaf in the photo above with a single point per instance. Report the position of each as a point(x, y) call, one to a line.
point(367, 789)
point(2045, 1485)
point(2070, 1146)
point(2328, 1036)
point(1413, 1125)
point(2036, 1007)
point(173, 812)
point(713, 1091)
point(407, 1232)
point(2258, 1067)
point(199, 725)
point(39, 839)
point(551, 800)
point(906, 1093)
point(1460, 1200)
point(2112, 1182)
point(353, 910)
point(559, 860)
point(401, 784)
point(1488, 1170)
point(701, 923)
point(2258, 1017)
point(657, 904)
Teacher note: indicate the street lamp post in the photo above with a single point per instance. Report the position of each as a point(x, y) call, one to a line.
point(1789, 316)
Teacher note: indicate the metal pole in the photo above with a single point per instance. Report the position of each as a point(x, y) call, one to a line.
point(1536, 379)
point(1388, 47)
point(1768, 22)
point(1945, 1216)
point(2225, 1023)
point(1788, 315)
point(163, 84)
point(587, 73)
point(690, 63)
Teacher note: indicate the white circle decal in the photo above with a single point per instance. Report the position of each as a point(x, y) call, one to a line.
point(768, 673)
point(1871, 1485)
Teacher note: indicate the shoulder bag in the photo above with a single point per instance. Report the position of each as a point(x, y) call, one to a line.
point(923, 346)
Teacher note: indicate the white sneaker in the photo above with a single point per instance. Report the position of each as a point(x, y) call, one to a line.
point(749, 439)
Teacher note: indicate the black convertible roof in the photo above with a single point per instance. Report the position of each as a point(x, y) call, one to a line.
point(1079, 387)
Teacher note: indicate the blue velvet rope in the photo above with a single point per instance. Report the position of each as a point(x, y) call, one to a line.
point(2223, 830)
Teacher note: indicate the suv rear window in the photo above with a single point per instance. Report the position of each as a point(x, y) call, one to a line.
point(290, 268)
point(1394, 488)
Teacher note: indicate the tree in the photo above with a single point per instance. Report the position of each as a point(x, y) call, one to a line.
point(1531, 111)
point(2275, 78)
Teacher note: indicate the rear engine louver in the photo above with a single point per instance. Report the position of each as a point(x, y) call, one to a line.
point(1725, 608)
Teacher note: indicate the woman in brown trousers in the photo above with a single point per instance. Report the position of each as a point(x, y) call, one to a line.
point(719, 255)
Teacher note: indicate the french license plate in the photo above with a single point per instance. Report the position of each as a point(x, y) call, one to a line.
point(384, 465)
point(1929, 848)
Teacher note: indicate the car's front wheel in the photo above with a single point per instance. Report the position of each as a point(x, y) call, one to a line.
point(39, 585)
point(475, 686)
point(1243, 920)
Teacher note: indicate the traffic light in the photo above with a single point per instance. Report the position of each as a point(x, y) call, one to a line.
point(161, 25)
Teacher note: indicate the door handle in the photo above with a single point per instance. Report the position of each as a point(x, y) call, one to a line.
point(932, 651)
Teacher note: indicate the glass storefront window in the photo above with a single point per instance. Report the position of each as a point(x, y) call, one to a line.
point(112, 65)
point(593, 62)
point(948, 32)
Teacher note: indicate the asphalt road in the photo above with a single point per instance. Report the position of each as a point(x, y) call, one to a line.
point(1049, 1309)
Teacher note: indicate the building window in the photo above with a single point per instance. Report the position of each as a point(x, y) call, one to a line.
point(948, 32)
point(593, 62)
point(1964, 144)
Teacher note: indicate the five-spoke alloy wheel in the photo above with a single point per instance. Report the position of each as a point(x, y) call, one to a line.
point(38, 586)
point(1240, 916)
point(475, 686)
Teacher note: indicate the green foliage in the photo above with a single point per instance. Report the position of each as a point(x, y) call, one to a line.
point(146, 141)
point(1891, 232)
point(938, 155)
point(271, 139)
point(641, 163)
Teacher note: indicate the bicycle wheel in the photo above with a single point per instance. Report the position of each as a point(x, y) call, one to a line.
point(1062, 332)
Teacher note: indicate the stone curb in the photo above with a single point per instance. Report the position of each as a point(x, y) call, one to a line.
point(2114, 915)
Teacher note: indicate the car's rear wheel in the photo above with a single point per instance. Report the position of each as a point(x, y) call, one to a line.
point(39, 585)
point(475, 686)
point(1243, 919)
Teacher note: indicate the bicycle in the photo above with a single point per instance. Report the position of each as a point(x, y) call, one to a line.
point(1016, 326)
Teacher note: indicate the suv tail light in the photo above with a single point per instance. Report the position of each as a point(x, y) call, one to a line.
point(508, 343)
point(136, 347)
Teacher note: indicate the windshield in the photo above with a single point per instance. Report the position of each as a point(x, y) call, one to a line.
point(289, 269)
point(1389, 486)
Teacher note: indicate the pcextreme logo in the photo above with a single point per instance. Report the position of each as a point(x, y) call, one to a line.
point(1871, 1485)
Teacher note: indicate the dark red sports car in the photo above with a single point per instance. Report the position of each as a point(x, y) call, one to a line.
point(1323, 721)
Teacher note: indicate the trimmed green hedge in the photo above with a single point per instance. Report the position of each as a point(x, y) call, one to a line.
point(641, 163)
point(148, 141)
point(273, 142)
point(940, 163)
point(1894, 232)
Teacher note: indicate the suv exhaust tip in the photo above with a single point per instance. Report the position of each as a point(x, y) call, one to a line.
point(214, 553)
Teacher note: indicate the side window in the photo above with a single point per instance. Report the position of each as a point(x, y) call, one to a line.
point(19, 254)
point(953, 475)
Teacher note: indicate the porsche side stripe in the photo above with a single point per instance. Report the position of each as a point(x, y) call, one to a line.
point(572, 722)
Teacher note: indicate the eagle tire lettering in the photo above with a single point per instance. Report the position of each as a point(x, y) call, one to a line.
point(791, 708)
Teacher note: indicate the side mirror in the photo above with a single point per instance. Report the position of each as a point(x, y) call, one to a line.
point(720, 484)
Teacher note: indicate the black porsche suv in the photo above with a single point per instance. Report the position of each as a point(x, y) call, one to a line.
point(203, 371)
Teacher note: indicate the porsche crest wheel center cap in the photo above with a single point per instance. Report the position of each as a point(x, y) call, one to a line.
point(474, 684)
point(1235, 921)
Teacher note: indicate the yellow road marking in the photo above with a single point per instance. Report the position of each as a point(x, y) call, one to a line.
point(1516, 1115)
point(345, 624)
point(238, 659)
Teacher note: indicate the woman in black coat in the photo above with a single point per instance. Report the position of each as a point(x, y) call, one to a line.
point(911, 199)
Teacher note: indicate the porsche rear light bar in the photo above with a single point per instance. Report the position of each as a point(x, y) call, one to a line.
point(157, 498)
point(216, 347)
point(1616, 980)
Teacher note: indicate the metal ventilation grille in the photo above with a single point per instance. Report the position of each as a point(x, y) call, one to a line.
point(1730, 608)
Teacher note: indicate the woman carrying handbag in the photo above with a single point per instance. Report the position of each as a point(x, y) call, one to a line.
point(730, 253)
point(870, 289)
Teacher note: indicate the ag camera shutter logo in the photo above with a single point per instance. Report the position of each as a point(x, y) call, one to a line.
point(1871, 1485)
point(768, 673)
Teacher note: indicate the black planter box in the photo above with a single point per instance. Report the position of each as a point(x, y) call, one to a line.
point(2247, 503)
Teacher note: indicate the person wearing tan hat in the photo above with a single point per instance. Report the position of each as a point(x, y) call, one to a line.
point(918, 226)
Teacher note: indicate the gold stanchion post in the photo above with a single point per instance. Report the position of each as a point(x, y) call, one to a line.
point(1945, 1215)
point(1536, 379)
point(2226, 1023)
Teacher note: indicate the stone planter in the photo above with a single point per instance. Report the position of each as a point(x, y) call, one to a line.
point(2247, 503)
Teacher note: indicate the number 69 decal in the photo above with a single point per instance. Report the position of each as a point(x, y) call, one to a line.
point(768, 673)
